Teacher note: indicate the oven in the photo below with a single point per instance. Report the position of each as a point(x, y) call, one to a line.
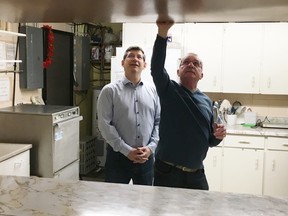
point(53, 132)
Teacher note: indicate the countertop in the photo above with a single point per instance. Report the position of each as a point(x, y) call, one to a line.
point(257, 131)
point(8, 150)
point(46, 196)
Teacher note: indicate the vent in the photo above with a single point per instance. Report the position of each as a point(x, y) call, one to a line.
point(88, 159)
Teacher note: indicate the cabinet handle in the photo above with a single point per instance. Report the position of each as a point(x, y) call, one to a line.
point(214, 161)
point(17, 165)
point(253, 82)
point(269, 82)
point(244, 142)
point(273, 165)
point(214, 81)
point(285, 144)
point(257, 164)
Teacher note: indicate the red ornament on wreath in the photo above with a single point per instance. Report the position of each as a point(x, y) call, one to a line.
point(50, 46)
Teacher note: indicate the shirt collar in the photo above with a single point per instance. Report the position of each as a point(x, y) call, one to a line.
point(125, 81)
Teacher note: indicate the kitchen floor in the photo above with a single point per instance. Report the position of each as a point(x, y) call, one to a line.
point(95, 175)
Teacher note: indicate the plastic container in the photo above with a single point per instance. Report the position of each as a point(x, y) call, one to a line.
point(250, 118)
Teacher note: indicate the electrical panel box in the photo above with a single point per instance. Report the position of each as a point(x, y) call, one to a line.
point(31, 54)
point(81, 63)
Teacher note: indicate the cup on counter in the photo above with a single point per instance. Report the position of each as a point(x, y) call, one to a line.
point(231, 119)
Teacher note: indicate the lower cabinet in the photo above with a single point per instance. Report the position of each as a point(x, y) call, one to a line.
point(243, 170)
point(249, 164)
point(18, 165)
point(276, 172)
point(213, 167)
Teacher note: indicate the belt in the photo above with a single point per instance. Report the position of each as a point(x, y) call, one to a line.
point(184, 169)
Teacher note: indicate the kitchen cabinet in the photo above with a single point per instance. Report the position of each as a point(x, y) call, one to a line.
point(243, 158)
point(139, 35)
point(213, 167)
point(276, 174)
point(144, 35)
point(15, 159)
point(252, 164)
point(238, 58)
point(198, 40)
point(242, 48)
point(275, 64)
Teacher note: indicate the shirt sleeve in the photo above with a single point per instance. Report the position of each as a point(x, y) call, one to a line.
point(107, 129)
point(155, 133)
point(159, 74)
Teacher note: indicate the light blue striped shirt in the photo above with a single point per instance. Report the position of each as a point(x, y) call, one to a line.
point(128, 115)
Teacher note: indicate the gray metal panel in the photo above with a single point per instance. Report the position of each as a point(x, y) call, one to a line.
point(82, 62)
point(31, 54)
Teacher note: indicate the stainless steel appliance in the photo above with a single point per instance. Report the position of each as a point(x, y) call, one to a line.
point(53, 132)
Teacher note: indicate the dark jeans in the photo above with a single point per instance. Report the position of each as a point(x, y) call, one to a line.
point(170, 176)
point(119, 169)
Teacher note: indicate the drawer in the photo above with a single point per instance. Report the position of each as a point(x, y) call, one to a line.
point(277, 143)
point(240, 141)
point(18, 165)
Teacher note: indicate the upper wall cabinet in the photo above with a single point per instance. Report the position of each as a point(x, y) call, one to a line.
point(237, 57)
point(135, 34)
point(144, 35)
point(242, 57)
point(205, 40)
point(275, 64)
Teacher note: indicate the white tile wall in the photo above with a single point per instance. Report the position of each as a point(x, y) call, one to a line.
point(263, 105)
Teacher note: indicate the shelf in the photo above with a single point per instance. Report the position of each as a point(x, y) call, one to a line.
point(12, 33)
point(11, 61)
point(11, 71)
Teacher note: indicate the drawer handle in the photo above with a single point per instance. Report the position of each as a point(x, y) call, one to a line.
point(286, 145)
point(244, 142)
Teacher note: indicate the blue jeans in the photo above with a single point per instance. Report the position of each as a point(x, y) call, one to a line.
point(170, 176)
point(119, 169)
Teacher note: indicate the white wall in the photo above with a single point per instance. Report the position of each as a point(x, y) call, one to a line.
point(7, 80)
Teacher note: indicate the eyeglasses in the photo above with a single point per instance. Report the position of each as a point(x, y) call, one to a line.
point(197, 64)
point(132, 56)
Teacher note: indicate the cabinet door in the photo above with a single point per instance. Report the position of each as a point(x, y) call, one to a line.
point(242, 57)
point(275, 64)
point(18, 165)
point(135, 34)
point(144, 35)
point(205, 40)
point(276, 173)
point(213, 167)
point(243, 170)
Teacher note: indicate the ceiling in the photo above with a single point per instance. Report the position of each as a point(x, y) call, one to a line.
point(120, 11)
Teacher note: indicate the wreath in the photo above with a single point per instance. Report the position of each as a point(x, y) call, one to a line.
point(50, 46)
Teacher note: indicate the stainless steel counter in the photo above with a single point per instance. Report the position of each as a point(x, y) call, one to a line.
point(41, 196)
